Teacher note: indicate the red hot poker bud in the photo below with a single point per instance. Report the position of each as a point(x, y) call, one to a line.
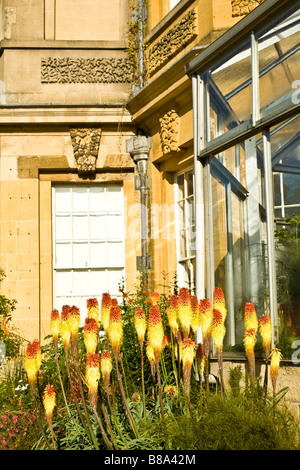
point(154, 298)
point(251, 321)
point(155, 331)
point(55, 324)
point(115, 328)
point(90, 335)
point(93, 310)
point(140, 324)
point(184, 311)
point(219, 301)
point(106, 304)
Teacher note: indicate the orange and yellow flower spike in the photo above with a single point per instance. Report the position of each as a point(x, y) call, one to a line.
point(184, 311)
point(93, 310)
point(155, 331)
point(195, 323)
point(251, 322)
point(249, 343)
point(31, 365)
point(140, 324)
point(106, 304)
point(92, 375)
point(150, 353)
point(265, 330)
point(276, 357)
point(154, 298)
point(115, 328)
point(38, 353)
point(205, 317)
point(219, 302)
point(49, 402)
point(65, 331)
point(172, 314)
point(55, 327)
point(106, 367)
point(74, 321)
point(218, 329)
point(188, 354)
point(90, 335)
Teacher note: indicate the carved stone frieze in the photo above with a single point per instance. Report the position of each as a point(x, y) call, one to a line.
point(169, 131)
point(173, 42)
point(243, 7)
point(86, 143)
point(86, 70)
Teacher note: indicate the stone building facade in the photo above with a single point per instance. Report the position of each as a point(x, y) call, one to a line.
point(77, 80)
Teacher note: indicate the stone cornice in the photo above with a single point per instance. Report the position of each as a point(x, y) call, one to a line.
point(63, 44)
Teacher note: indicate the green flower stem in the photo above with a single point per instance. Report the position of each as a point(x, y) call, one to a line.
point(143, 378)
point(76, 402)
point(162, 406)
point(129, 415)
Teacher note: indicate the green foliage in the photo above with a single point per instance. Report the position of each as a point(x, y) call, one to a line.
point(9, 334)
point(245, 417)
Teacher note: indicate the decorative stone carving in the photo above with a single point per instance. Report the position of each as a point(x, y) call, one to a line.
point(86, 70)
point(173, 42)
point(243, 7)
point(10, 17)
point(169, 131)
point(86, 143)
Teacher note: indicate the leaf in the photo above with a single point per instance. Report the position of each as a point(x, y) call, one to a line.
point(281, 394)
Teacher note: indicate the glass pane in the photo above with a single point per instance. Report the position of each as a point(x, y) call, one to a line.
point(219, 231)
point(80, 255)
point(190, 211)
point(63, 283)
point(98, 283)
point(98, 254)
point(63, 227)
point(97, 199)
point(230, 93)
point(180, 187)
point(190, 181)
point(279, 63)
point(80, 227)
point(182, 244)
point(63, 255)
point(191, 234)
point(63, 202)
point(285, 148)
point(81, 282)
point(80, 199)
point(97, 227)
point(114, 199)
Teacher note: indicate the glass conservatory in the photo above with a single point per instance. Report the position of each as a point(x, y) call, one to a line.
point(246, 104)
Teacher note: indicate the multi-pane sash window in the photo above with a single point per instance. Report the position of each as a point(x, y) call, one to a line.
point(185, 228)
point(88, 242)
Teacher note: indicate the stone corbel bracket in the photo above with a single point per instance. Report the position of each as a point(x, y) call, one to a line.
point(169, 131)
point(86, 144)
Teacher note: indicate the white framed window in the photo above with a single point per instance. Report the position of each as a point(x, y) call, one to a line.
point(185, 228)
point(88, 243)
